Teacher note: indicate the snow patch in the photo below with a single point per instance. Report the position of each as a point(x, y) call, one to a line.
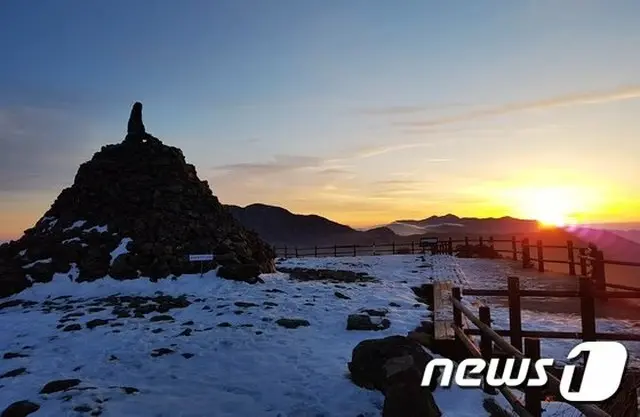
point(39, 261)
point(75, 239)
point(99, 229)
point(121, 249)
point(50, 222)
point(75, 225)
point(22, 252)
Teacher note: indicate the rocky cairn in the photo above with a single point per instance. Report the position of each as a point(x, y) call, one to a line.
point(136, 209)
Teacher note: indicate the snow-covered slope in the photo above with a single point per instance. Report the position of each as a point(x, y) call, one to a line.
point(204, 346)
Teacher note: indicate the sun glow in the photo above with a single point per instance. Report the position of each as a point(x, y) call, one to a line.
point(553, 206)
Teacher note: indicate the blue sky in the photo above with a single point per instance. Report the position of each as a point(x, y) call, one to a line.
point(363, 111)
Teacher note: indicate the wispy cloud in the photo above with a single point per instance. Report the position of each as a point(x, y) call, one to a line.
point(369, 152)
point(406, 110)
point(278, 165)
point(578, 99)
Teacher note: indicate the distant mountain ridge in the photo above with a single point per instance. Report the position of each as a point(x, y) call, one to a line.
point(279, 226)
point(453, 223)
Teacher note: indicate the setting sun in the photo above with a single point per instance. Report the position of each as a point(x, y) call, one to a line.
point(553, 206)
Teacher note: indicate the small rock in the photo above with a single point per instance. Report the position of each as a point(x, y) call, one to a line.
point(364, 322)
point(72, 328)
point(156, 331)
point(224, 324)
point(188, 355)
point(161, 352)
point(341, 295)
point(186, 332)
point(95, 323)
point(14, 373)
point(130, 390)
point(59, 385)
point(375, 312)
point(188, 323)
point(20, 409)
point(292, 323)
point(245, 304)
point(162, 317)
point(82, 408)
point(270, 303)
point(13, 355)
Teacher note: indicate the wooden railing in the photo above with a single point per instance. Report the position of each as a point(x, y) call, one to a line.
point(581, 261)
point(530, 339)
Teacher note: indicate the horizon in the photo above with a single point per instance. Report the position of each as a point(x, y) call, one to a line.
point(363, 113)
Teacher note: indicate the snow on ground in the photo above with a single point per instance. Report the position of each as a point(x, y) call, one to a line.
point(249, 366)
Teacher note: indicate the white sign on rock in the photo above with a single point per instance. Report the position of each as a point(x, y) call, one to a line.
point(201, 257)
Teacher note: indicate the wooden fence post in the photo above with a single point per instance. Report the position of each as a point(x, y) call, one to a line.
point(450, 248)
point(587, 310)
point(526, 253)
point(457, 313)
point(598, 274)
point(515, 313)
point(491, 242)
point(514, 248)
point(286, 255)
point(393, 247)
point(572, 260)
point(540, 256)
point(533, 395)
point(335, 250)
point(315, 251)
point(412, 248)
point(486, 345)
point(466, 241)
point(481, 241)
point(582, 253)
point(296, 251)
point(354, 250)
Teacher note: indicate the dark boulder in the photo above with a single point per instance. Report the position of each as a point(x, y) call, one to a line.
point(369, 357)
point(247, 273)
point(395, 365)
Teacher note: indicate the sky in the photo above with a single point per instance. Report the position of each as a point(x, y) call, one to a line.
point(364, 111)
